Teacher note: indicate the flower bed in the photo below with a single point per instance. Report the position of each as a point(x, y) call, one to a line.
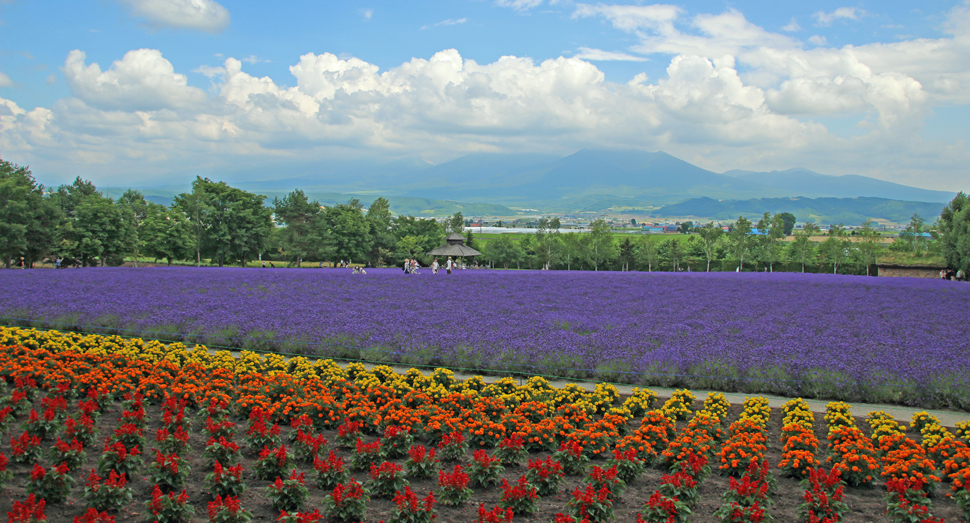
point(136, 389)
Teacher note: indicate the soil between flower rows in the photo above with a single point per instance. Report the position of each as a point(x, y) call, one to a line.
point(866, 505)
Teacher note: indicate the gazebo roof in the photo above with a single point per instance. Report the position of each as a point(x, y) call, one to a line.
point(455, 246)
point(455, 251)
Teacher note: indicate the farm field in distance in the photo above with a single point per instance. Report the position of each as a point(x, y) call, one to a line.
point(831, 337)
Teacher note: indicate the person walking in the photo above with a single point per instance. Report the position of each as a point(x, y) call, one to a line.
point(450, 265)
point(434, 266)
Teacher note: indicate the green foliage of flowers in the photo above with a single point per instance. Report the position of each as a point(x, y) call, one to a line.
point(678, 407)
point(411, 510)
point(112, 493)
point(169, 508)
point(386, 480)
point(511, 451)
point(572, 458)
point(53, 485)
point(421, 463)
point(330, 472)
point(485, 470)
point(453, 487)
point(347, 503)
point(546, 475)
point(288, 494)
point(225, 481)
point(520, 498)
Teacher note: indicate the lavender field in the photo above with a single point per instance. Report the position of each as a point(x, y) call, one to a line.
point(895, 340)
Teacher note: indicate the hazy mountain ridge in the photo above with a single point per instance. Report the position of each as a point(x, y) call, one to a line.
point(804, 182)
point(588, 180)
point(824, 211)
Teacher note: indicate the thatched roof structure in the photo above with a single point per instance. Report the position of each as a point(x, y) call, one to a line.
point(455, 247)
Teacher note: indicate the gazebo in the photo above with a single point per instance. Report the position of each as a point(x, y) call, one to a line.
point(455, 247)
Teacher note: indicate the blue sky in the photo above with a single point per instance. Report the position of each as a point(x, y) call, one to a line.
point(149, 91)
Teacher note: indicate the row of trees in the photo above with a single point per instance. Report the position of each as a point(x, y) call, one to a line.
point(213, 223)
point(218, 224)
point(747, 245)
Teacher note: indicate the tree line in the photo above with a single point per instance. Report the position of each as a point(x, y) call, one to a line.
point(213, 224)
point(769, 244)
point(217, 224)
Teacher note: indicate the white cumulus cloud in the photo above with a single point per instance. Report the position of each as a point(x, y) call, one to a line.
point(519, 5)
point(143, 80)
point(5, 80)
point(842, 13)
point(792, 26)
point(199, 15)
point(818, 40)
point(452, 22)
point(596, 55)
point(657, 17)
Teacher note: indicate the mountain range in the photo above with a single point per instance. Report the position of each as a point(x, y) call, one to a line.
point(823, 211)
point(588, 180)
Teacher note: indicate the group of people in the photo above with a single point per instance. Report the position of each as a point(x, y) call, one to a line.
point(411, 266)
point(952, 275)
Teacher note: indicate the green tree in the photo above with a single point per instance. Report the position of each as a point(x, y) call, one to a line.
point(195, 207)
point(470, 240)
point(409, 246)
point(550, 250)
point(27, 219)
point(167, 233)
point(914, 238)
point(710, 235)
point(788, 222)
point(627, 253)
point(671, 251)
point(504, 250)
point(573, 249)
point(741, 240)
point(601, 247)
point(685, 227)
point(646, 254)
point(530, 252)
point(954, 230)
point(66, 199)
point(455, 224)
point(347, 230)
point(868, 245)
point(100, 231)
point(383, 241)
point(295, 215)
point(430, 234)
point(802, 247)
point(133, 208)
point(771, 229)
point(836, 246)
point(230, 223)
